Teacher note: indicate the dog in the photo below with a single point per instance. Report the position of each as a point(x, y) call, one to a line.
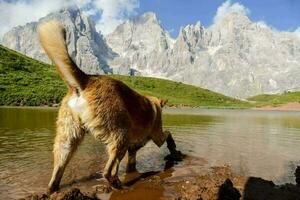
point(121, 118)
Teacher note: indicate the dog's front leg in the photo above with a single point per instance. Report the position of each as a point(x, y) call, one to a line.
point(131, 162)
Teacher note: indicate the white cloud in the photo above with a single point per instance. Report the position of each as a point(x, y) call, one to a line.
point(114, 12)
point(20, 12)
point(106, 13)
point(297, 31)
point(227, 7)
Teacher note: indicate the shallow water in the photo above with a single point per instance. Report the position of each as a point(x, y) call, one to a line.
point(254, 143)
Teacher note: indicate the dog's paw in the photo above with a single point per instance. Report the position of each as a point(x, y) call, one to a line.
point(115, 183)
point(52, 189)
point(175, 156)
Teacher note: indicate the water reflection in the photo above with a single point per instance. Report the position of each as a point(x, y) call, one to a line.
point(256, 143)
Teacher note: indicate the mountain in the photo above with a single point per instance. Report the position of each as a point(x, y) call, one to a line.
point(86, 46)
point(234, 56)
point(137, 42)
point(25, 81)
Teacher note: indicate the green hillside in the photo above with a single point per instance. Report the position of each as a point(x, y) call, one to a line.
point(276, 99)
point(180, 94)
point(25, 81)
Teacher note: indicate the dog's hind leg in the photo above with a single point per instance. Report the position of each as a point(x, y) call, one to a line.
point(131, 159)
point(170, 142)
point(116, 150)
point(161, 137)
point(174, 155)
point(69, 135)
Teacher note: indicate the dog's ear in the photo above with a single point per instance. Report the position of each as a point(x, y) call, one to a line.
point(163, 102)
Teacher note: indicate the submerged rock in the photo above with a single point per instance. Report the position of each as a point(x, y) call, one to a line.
point(297, 175)
point(228, 192)
point(73, 194)
point(260, 189)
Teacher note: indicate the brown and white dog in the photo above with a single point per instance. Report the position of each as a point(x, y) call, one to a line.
point(107, 108)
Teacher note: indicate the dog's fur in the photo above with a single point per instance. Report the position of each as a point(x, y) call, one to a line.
point(108, 109)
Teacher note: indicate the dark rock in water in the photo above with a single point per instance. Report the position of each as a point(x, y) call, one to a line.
point(228, 192)
point(75, 194)
point(260, 189)
point(36, 197)
point(297, 175)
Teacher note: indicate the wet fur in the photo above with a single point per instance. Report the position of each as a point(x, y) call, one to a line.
point(107, 108)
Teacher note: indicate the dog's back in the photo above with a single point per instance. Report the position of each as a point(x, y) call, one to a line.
point(119, 106)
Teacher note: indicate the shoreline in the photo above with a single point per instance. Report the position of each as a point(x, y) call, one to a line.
point(33, 107)
point(191, 179)
point(291, 106)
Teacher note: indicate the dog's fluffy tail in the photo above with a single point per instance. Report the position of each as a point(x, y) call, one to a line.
point(52, 38)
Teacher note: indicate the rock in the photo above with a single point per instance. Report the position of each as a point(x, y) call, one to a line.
point(75, 194)
point(297, 175)
point(228, 192)
point(71, 194)
point(103, 188)
point(260, 189)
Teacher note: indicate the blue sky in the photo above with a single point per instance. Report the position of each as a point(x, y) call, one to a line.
point(283, 15)
point(280, 14)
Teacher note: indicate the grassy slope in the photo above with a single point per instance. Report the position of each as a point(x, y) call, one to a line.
point(25, 81)
point(276, 99)
point(180, 94)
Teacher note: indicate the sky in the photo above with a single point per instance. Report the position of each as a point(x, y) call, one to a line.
point(281, 15)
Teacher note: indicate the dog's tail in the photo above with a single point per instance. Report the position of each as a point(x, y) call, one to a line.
point(52, 37)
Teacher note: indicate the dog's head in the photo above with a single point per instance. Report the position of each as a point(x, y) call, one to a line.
point(160, 102)
point(163, 102)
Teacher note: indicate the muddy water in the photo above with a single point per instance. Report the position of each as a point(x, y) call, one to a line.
point(253, 143)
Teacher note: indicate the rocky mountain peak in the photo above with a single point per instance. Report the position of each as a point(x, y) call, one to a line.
point(142, 33)
point(190, 37)
point(234, 20)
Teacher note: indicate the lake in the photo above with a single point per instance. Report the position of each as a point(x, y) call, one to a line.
point(252, 142)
